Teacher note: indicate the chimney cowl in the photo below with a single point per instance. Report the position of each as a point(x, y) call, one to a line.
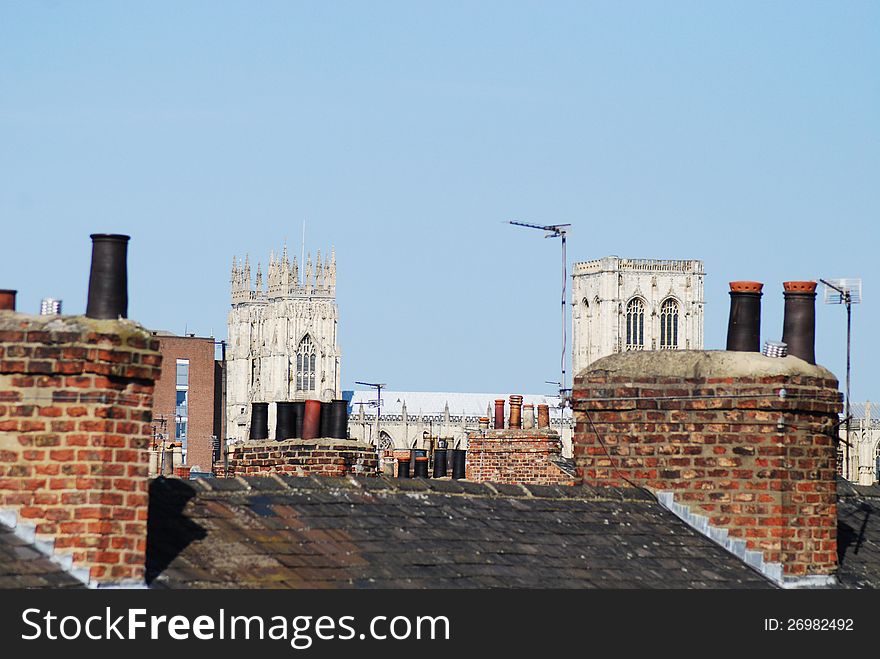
point(799, 286)
point(746, 286)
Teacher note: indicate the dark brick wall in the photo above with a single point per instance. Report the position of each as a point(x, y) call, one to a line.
point(515, 456)
point(303, 457)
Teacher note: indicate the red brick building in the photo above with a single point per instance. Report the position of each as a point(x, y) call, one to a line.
point(185, 402)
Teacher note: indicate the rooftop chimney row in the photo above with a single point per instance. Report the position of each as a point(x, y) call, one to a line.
point(799, 323)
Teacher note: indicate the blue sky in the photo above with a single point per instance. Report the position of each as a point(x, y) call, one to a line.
point(404, 133)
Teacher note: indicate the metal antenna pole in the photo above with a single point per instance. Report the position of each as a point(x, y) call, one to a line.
point(379, 386)
point(847, 301)
point(564, 334)
point(848, 292)
point(556, 231)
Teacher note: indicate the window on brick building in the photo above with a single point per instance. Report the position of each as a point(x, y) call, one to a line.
point(183, 373)
point(635, 324)
point(306, 356)
point(669, 325)
point(181, 408)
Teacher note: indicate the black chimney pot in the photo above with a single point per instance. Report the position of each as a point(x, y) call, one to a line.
point(458, 464)
point(799, 323)
point(259, 421)
point(284, 421)
point(744, 324)
point(108, 278)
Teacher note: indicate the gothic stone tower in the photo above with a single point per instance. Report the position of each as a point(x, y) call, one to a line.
point(635, 304)
point(282, 338)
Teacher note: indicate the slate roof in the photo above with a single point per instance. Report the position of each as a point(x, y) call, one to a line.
point(23, 566)
point(858, 535)
point(379, 533)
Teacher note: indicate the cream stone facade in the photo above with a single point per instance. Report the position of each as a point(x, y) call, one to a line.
point(410, 418)
point(282, 337)
point(860, 463)
point(635, 304)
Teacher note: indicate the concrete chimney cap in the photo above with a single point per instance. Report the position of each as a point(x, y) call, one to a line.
point(704, 364)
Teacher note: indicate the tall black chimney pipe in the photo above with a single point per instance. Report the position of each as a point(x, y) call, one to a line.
point(108, 278)
point(284, 421)
point(338, 419)
point(799, 323)
point(299, 413)
point(259, 421)
point(744, 324)
point(458, 463)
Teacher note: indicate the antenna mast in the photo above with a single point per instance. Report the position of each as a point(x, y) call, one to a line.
point(557, 231)
point(379, 386)
point(847, 292)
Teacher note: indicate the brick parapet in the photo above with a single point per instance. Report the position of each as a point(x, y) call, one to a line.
point(516, 456)
point(301, 457)
point(75, 410)
point(754, 454)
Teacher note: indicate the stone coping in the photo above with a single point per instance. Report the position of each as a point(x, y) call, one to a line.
point(277, 483)
point(698, 364)
point(64, 326)
point(514, 434)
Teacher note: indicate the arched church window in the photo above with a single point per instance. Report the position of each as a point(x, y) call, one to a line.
point(385, 441)
point(305, 365)
point(669, 325)
point(635, 324)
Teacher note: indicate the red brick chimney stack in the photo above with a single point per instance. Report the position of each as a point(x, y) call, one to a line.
point(75, 410)
point(739, 444)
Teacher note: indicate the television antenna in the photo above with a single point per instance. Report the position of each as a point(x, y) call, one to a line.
point(556, 231)
point(847, 292)
point(378, 403)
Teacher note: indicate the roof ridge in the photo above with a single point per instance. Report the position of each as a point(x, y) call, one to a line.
point(284, 482)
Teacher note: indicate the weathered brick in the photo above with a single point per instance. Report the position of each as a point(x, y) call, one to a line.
point(724, 451)
point(57, 480)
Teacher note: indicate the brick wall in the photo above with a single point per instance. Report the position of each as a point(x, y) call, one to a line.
point(200, 398)
point(516, 456)
point(75, 401)
point(706, 427)
point(300, 457)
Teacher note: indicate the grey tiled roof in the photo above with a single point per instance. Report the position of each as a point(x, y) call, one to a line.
point(858, 535)
point(379, 533)
point(23, 566)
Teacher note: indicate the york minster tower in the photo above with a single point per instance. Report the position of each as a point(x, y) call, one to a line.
point(282, 337)
point(635, 304)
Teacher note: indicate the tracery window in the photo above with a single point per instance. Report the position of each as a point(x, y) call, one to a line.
point(385, 441)
point(669, 325)
point(635, 324)
point(305, 364)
